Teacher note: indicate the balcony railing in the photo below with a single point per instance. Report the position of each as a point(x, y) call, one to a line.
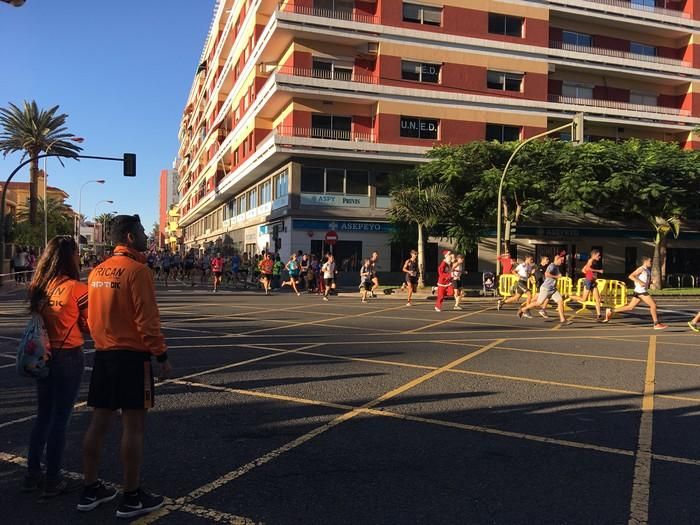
point(324, 134)
point(616, 54)
point(611, 104)
point(626, 4)
point(325, 74)
point(338, 14)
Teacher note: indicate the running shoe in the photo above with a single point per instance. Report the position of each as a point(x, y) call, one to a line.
point(693, 327)
point(374, 294)
point(527, 315)
point(53, 488)
point(543, 314)
point(94, 495)
point(608, 315)
point(455, 307)
point(409, 304)
point(138, 504)
point(364, 300)
point(437, 309)
point(325, 298)
point(660, 326)
point(520, 314)
point(298, 294)
point(499, 305)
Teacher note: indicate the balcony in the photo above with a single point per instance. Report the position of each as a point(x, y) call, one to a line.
point(624, 106)
point(324, 134)
point(326, 74)
point(614, 53)
point(337, 14)
point(626, 4)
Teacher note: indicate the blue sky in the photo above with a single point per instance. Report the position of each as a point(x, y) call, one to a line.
point(121, 71)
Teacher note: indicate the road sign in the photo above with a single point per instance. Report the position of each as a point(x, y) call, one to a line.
point(331, 238)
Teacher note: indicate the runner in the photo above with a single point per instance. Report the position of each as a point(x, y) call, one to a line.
point(538, 274)
point(206, 268)
point(166, 262)
point(217, 270)
point(506, 262)
point(277, 272)
point(57, 294)
point(375, 269)
point(293, 268)
point(444, 282)
point(365, 279)
point(410, 270)
point(548, 291)
point(458, 272)
point(524, 270)
point(176, 267)
point(151, 262)
point(303, 268)
point(245, 269)
point(235, 267)
point(590, 271)
point(693, 324)
point(328, 270)
point(158, 263)
point(642, 279)
point(125, 326)
point(266, 266)
point(189, 266)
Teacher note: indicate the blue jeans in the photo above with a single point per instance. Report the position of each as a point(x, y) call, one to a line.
point(56, 396)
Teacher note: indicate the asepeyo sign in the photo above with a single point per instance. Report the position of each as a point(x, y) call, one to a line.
point(345, 201)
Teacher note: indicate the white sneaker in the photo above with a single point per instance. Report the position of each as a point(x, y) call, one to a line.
point(437, 309)
point(325, 298)
point(409, 304)
point(543, 314)
point(455, 307)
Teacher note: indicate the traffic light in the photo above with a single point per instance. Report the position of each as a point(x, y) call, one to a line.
point(511, 230)
point(577, 129)
point(130, 164)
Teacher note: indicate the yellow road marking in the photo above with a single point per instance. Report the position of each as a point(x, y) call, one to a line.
point(639, 504)
point(227, 478)
point(444, 321)
point(678, 398)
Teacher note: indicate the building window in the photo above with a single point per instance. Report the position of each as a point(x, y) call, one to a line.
point(419, 128)
point(241, 204)
point(505, 25)
point(335, 180)
point(421, 14)
point(642, 49)
point(644, 3)
point(252, 197)
point(330, 127)
point(312, 180)
point(330, 70)
point(266, 192)
point(356, 182)
point(281, 185)
point(643, 99)
point(502, 133)
point(382, 184)
point(504, 81)
point(420, 72)
point(576, 91)
point(577, 39)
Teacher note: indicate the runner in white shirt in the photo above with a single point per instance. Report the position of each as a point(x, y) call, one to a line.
point(522, 287)
point(328, 270)
point(642, 279)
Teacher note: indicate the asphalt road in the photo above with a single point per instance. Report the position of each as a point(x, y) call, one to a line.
point(290, 410)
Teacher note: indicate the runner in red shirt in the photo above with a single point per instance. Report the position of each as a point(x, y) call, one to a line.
point(265, 266)
point(444, 283)
point(217, 269)
point(506, 263)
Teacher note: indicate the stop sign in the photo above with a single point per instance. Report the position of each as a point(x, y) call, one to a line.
point(331, 238)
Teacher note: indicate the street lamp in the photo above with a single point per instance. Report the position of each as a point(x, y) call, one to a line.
point(94, 224)
point(46, 183)
point(80, 198)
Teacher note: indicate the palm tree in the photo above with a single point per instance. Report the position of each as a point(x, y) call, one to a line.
point(662, 226)
point(33, 131)
point(423, 207)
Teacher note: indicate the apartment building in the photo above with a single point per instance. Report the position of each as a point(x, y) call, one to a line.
point(300, 111)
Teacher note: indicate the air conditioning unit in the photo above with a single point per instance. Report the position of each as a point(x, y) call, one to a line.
point(372, 48)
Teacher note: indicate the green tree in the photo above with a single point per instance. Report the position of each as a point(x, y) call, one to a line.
point(424, 207)
point(33, 131)
point(105, 219)
point(59, 222)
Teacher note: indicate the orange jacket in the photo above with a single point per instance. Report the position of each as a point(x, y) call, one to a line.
point(65, 313)
point(122, 309)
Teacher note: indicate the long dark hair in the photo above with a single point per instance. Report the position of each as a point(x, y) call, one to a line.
point(57, 260)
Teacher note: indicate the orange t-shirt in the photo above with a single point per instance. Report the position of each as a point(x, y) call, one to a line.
point(66, 312)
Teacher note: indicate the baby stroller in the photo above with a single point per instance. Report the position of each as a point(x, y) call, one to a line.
point(488, 284)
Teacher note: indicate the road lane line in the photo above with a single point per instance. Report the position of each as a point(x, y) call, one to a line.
point(450, 320)
point(639, 504)
point(273, 454)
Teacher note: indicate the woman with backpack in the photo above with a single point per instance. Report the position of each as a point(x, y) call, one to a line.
point(58, 296)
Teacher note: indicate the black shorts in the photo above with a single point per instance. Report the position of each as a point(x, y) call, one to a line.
point(412, 280)
point(328, 282)
point(367, 285)
point(590, 285)
point(520, 287)
point(121, 379)
point(639, 295)
point(217, 274)
point(457, 284)
point(267, 276)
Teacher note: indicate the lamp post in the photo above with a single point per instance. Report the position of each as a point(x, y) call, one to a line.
point(80, 198)
point(46, 183)
point(94, 224)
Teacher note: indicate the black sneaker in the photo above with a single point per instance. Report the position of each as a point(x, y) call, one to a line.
point(33, 482)
point(53, 488)
point(94, 495)
point(138, 503)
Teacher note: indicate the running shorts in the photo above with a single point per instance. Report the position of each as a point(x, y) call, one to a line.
point(590, 285)
point(121, 379)
point(457, 284)
point(367, 285)
point(521, 287)
point(639, 294)
point(412, 280)
point(328, 281)
point(554, 295)
point(166, 269)
point(217, 274)
point(267, 276)
point(294, 275)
